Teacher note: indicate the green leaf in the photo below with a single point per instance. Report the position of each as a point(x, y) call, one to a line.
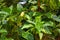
point(49, 15)
point(3, 12)
point(28, 17)
point(58, 30)
point(53, 4)
point(31, 22)
point(6, 9)
point(38, 23)
point(27, 26)
point(3, 15)
point(3, 31)
point(42, 6)
point(56, 18)
point(11, 9)
point(32, 1)
point(48, 24)
point(8, 39)
point(19, 7)
point(34, 8)
point(27, 36)
point(46, 30)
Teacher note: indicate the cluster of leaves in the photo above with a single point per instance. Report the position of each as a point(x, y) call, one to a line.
point(24, 21)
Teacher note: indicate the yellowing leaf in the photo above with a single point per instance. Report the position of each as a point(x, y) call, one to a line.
point(22, 14)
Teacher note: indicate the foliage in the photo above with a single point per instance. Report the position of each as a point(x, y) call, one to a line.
point(24, 22)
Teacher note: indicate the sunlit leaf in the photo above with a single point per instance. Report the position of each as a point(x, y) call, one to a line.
point(28, 17)
point(30, 21)
point(27, 26)
point(9, 39)
point(38, 23)
point(3, 31)
point(3, 12)
point(48, 24)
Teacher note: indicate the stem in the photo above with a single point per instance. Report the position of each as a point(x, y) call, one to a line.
point(38, 5)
